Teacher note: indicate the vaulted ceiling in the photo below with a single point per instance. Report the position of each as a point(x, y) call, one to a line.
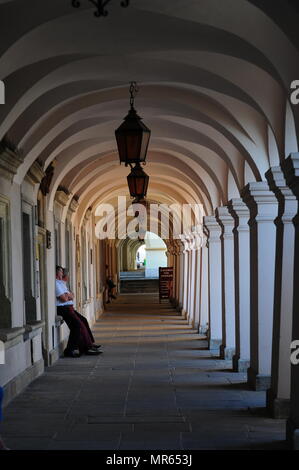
point(214, 82)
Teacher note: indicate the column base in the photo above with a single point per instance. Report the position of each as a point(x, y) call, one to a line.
point(279, 408)
point(226, 353)
point(292, 433)
point(184, 313)
point(240, 365)
point(179, 308)
point(256, 381)
point(21, 381)
point(214, 344)
point(202, 329)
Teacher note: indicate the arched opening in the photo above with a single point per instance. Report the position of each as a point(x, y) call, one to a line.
point(139, 262)
point(141, 257)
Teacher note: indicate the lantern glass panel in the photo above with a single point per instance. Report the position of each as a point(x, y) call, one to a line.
point(144, 145)
point(133, 144)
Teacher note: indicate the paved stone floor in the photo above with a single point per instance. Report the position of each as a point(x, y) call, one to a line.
point(155, 387)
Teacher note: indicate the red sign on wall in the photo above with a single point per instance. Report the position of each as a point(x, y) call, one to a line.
point(165, 283)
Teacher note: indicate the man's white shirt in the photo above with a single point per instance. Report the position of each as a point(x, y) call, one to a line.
point(61, 289)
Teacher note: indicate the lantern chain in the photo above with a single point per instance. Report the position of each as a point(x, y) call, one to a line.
point(133, 91)
point(100, 6)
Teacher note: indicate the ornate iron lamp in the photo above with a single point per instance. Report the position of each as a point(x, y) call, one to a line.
point(138, 183)
point(100, 6)
point(132, 136)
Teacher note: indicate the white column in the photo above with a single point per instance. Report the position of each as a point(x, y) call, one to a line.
point(263, 206)
point(204, 287)
point(175, 294)
point(226, 222)
point(215, 282)
point(186, 281)
point(290, 168)
point(185, 276)
point(190, 282)
point(192, 277)
point(182, 280)
point(278, 396)
point(197, 285)
point(240, 212)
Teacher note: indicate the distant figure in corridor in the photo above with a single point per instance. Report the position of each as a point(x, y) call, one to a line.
point(81, 340)
point(110, 285)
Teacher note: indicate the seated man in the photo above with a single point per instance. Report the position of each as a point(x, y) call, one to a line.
point(65, 278)
point(80, 339)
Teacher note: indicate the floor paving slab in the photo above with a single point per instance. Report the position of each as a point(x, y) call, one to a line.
point(155, 387)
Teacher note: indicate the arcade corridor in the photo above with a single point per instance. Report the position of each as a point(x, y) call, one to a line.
point(155, 387)
point(185, 113)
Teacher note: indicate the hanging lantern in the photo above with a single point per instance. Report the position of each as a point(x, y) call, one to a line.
point(138, 183)
point(132, 136)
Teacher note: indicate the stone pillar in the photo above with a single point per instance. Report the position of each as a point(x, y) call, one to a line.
point(226, 221)
point(192, 290)
point(197, 285)
point(190, 281)
point(204, 288)
point(240, 212)
point(278, 396)
point(262, 205)
point(197, 292)
point(175, 274)
point(185, 276)
point(290, 169)
point(215, 282)
point(182, 280)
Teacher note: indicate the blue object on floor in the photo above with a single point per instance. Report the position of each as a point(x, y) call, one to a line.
point(1, 397)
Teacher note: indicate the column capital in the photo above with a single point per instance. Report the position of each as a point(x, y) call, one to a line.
point(277, 183)
point(257, 191)
point(35, 174)
point(9, 162)
point(178, 247)
point(290, 168)
point(181, 249)
point(213, 228)
point(62, 196)
point(171, 248)
point(74, 204)
point(185, 242)
point(190, 241)
point(261, 201)
point(288, 205)
point(226, 221)
point(197, 239)
point(240, 213)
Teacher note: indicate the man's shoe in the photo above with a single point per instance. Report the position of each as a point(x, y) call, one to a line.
point(96, 346)
point(93, 352)
point(74, 353)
